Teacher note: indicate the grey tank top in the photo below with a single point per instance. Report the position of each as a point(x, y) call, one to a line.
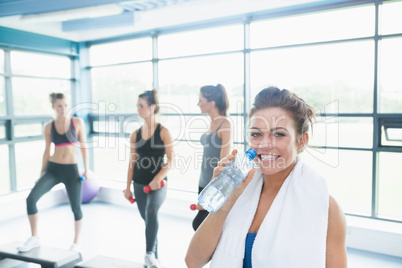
point(212, 150)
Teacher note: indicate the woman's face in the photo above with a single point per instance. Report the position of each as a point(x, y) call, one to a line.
point(204, 104)
point(273, 136)
point(143, 109)
point(60, 107)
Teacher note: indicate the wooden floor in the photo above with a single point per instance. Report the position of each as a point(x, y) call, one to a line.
point(118, 232)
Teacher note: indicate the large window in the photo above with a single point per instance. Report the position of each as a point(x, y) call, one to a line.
point(321, 26)
point(28, 162)
point(31, 95)
point(40, 65)
point(390, 186)
point(320, 74)
point(390, 79)
point(121, 52)
point(347, 70)
point(2, 97)
point(119, 86)
point(120, 71)
point(348, 175)
point(5, 167)
point(111, 157)
point(1, 61)
point(390, 18)
point(180, 80)
point(26, 80)
point(211, 40)
point(2, 85)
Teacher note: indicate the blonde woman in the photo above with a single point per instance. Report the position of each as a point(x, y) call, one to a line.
point(67, 134)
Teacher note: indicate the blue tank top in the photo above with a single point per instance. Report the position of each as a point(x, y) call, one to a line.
point(68, 138)
point(212, 151)
point(249, 247)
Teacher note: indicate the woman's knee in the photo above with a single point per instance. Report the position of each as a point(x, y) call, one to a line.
point(31, 205)
point(76, 208)
point(77, 214)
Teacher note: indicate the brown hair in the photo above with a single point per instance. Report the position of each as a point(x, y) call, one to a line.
point(218, 95)
point(56, 96)
point(273, 97)
point(152, 98)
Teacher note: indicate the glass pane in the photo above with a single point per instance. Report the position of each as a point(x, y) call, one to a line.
point(238, 128)
point(319, 75)
point(35, 64)
point(333, 25)
point(390, 18)
point(391, 136)
point(122, 51)
point(131, 123)
point(352, 132)
point(28, 130)
point(185, 172)
point(2, 97)
point(180, 81)
point(227, 38)
point(109, 126)
point(390, 186)
point(2, 61)
point(31, 96)
point(348, 174)
point(116, 89)
point(2, 132)
point(5, 170)
point(191, 127)
point(188, 128)
point(111, 157)
point(390, 79)
point(28, 158)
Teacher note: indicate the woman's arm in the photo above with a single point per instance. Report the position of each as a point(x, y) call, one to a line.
point(48, 142)
point(155, 184)
point(82, 138)
point(225, 133)
point(131, 163)
point(336, 235)
point(206, 238)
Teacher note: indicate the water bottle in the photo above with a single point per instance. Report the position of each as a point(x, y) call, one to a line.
point(218, 190)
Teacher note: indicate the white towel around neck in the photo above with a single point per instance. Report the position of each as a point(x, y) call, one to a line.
point(294, 231)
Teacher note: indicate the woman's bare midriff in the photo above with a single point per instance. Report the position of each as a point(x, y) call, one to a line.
point(66, 154)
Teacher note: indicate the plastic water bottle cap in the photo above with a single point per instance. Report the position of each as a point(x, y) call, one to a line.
point(251, 153)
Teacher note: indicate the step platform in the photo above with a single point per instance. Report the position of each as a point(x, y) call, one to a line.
point(108, 262)
point(46, 257)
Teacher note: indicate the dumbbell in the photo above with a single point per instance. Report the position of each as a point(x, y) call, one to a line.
point(132, 200)
point(147, 189)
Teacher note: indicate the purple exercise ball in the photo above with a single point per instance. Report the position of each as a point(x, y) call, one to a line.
point(90, 187)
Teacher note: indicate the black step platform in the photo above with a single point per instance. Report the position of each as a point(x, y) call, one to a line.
point(108, 262)
point(46, 257)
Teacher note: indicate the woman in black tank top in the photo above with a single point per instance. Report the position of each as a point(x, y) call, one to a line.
point(149, 145)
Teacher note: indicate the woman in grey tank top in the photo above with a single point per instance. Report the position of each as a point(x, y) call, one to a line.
point(213, 101)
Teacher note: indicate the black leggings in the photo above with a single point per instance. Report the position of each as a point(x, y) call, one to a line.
point(149, 205)
point(55, 174)
point(201, 215)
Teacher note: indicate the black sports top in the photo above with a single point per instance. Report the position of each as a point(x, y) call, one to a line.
point(68, 138)
point(150, 157)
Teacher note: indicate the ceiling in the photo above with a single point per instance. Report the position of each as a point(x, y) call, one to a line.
point(85, 20)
